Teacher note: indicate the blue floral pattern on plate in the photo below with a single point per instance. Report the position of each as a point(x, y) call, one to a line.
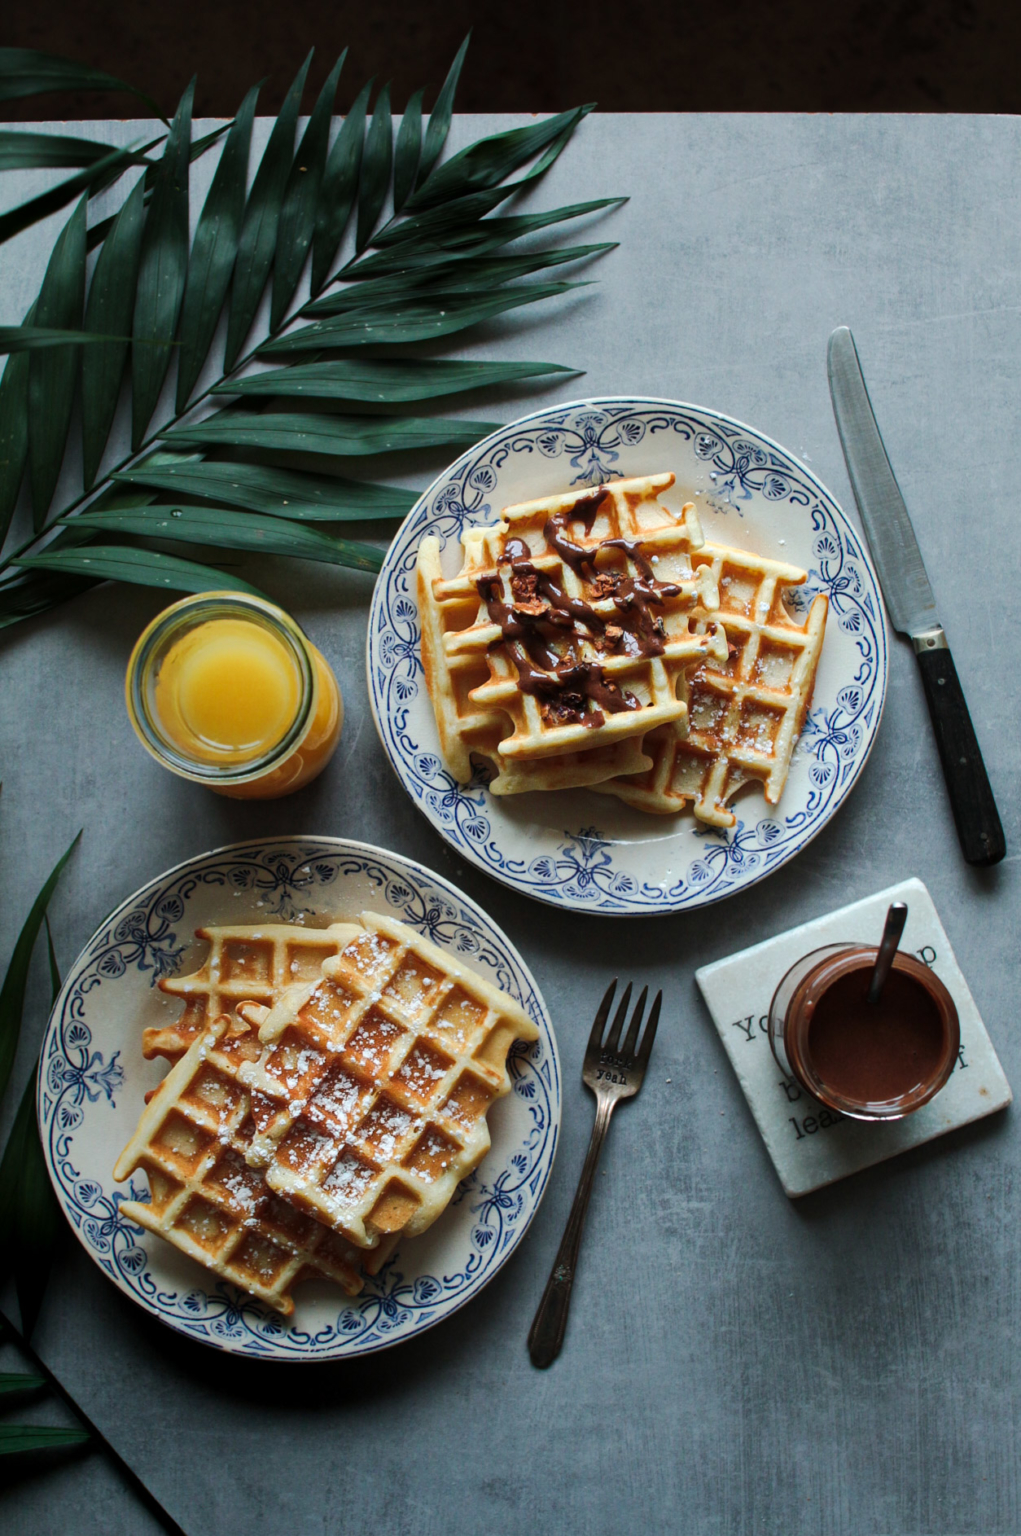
point(589, 852)
point(93, 1077)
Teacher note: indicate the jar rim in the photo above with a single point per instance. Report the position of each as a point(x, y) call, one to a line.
point(152, 646)
point(810, 988)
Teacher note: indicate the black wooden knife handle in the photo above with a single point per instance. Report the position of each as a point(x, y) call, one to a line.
point(971, 797)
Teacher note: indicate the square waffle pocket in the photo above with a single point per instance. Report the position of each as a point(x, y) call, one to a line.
point(252, 964)
point(566, 635)
point(744, 713)
point(192, 1143)
point(373, 1085)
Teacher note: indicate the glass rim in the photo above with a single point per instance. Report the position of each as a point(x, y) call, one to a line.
point(152, 644)
point(817, 980)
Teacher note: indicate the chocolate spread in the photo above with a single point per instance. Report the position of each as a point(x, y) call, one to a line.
point(541, 611)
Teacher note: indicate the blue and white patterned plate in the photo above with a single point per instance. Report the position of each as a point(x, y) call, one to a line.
point(574, 848)
point(93, 1077)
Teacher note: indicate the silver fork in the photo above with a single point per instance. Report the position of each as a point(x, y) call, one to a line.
point(613, 1072)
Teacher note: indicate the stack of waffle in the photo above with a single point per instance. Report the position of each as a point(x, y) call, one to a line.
point(308, 1123)
point(596, 639)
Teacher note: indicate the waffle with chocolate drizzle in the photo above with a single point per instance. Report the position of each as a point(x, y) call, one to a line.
point(746, 711)
point(567, 635)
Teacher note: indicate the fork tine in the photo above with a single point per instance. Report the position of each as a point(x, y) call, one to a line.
point(631, 1039)
point(650, 1031)
point(610, 1043)
point(596, 1036)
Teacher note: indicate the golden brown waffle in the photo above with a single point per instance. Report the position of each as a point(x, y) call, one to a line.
point(192, 1143)
point(253, 962)
point(478, 679)
point(744, 714)
point(373, 1084)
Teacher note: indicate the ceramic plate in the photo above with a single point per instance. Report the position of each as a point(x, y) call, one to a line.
point(574, 848)
point(93, 1077)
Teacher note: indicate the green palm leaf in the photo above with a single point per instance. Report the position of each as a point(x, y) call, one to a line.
point(436, 268)
point(262, 217)
point(339, 184)
point(478, 238)
point(93, 177)
point(408, 152)
point(376, 161)
point(469, 275)
point(277, 492)
point(486, 163)
point(214, 250)
point(301, 196)
point(15, 1384)
point(13, 434)
point(439, 120)
point(404, 323)
point(37, 592)
point(12, 993)
point(99, 232)
point(110, 309)
point(438, 224)
point(339, 435)
point(52, 373)
point(27, 72)
point(162, 271)
point(235, 530)
point(21, 151)
point(144, 567)
point(35, 338)
point(16, 1439)
point(382, 382)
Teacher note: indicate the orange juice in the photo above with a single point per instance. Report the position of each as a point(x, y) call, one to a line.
point(225, 689)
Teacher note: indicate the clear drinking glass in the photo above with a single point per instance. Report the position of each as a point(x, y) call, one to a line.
point(291, 761)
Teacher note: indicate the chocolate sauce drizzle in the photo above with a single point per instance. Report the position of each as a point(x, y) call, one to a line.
point(541, 612)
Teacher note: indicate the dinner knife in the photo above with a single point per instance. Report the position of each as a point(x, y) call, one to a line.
point(911, 604)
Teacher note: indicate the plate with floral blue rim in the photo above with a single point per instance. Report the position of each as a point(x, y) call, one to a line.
point(93, 1077)
point(590, 852)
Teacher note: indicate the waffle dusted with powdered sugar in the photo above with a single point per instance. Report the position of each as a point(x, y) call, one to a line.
point(373, 1085)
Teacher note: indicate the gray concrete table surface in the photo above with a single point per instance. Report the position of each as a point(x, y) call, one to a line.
point(735, 1362)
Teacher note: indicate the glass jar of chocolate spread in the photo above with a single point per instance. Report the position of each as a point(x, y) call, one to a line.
point(875, 1061)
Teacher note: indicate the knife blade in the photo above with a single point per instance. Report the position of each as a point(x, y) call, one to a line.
point(912, 606)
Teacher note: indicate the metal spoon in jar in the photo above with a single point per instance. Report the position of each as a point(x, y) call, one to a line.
point(896, 917)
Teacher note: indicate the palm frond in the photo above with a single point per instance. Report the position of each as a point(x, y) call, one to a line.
point(52, 373)
point(28, 72)
point(214, 251)
point(301, 194)
point(339, 187)
point(377, 159)
point(383, 381)
point(277, 492)
point(162, 270)
point(440, 262)
point(24, 151)
point(334, 435)
point(258, 239)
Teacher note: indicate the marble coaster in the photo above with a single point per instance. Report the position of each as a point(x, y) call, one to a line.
point(810, 1145)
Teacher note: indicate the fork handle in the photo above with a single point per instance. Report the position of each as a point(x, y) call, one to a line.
point(547, 1332)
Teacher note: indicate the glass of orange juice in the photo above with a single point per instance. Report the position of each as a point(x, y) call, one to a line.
point(225, 689)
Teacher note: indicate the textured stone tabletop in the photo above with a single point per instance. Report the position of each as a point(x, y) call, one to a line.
point(735, 1363)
